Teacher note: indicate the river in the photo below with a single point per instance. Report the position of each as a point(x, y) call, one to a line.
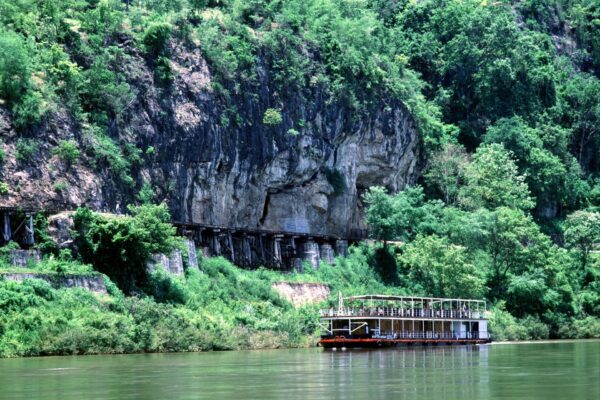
point(551, 370)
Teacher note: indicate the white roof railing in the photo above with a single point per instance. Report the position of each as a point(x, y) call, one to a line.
point(416, 300)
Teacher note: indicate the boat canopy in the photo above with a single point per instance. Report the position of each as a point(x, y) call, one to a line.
point(415, 299)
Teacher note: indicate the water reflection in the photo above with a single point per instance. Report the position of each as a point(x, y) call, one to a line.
point(424, 372)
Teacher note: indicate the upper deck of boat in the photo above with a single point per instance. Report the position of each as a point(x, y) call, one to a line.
point(403, 307)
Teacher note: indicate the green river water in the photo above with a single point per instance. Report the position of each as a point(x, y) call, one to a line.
point(558, 370)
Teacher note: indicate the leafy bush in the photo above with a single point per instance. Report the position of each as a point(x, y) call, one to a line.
point(26, 149)
point(146, 194)
point(166, 288)
point(272, 117)
point(119, 246)
point(3, 188)
point(105, 150)
point(60, 187)
point(588, 327)
point(44, 242)
point(14, 66)
point(63, 264)
point(29, 109)
point(67, 151)
point(106, 93)
point(16, 86)
point(503, 326)
point(163, 71)
point(156, 36)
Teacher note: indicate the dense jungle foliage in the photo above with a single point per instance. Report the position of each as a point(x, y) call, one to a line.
point(506, 96)
point(220, 306)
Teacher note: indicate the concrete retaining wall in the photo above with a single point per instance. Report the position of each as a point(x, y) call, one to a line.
point(173, 263)
point(23, 258)
point(94, 283)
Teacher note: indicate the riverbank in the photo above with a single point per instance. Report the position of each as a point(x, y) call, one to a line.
point(218, 307)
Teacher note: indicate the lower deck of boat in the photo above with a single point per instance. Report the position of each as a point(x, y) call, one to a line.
point(330, 343)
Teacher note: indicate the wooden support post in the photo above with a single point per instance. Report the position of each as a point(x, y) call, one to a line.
point(6, 232)
point(216, 245)
point(261, 246)
point(29, 237)
point(246, 249)
point(230, 243)
point(277, 251)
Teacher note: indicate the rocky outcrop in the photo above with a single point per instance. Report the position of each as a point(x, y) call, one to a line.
point(226, 168)
point(59, 228)
point(302, 293)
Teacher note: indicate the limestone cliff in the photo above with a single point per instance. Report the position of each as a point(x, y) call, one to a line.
point(306, 173)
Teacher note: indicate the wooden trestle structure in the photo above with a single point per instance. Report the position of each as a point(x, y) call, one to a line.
point(252, 248)
point(17, 225)
point(381, 320)
point(245, 247)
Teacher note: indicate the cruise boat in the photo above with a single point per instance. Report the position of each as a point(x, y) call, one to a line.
point(383, 320)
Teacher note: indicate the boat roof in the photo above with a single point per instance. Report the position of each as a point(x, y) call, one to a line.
point(408, 298)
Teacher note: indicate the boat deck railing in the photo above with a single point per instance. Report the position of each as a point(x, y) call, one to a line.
point(417, 335)
point(430, 335)
point(401, 313)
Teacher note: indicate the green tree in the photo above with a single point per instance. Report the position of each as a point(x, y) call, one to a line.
point(480, 65)
point(582, 112)
point(582, 233)
point(14, 67)
point(401, 216)
point(514, 245)
point(446, 171)
point(120, 245)
point(381, 214)
point(441, 268)
point(492, 180)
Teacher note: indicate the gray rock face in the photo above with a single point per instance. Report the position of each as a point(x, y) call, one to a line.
point(302, 293)
point(306, 174)
point(59, 228)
